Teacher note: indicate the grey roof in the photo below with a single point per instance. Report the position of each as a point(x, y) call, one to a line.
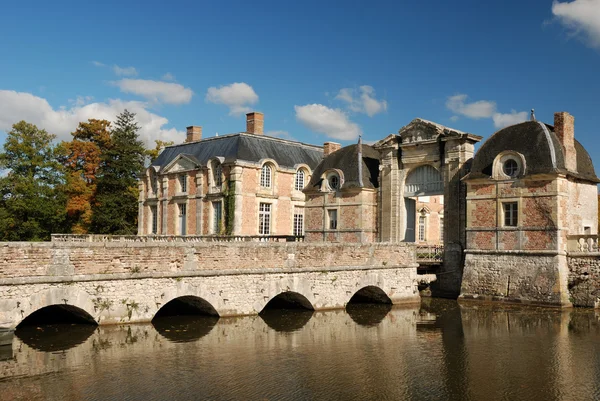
point(246, 147)
point(346, 160)
point(540, 146)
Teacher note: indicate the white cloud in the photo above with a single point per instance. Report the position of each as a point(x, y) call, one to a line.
point(168, 77)
point(363, 100)
point(62, 121)
point(280, 134)
point(156, 91)
point(483, 109)
point(237, 96)
point(581, 16)
point(332, 122)
point(124, 71)
point(475, 110)
point(98, 64)
point(504, 120)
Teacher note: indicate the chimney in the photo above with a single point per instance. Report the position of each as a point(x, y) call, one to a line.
point(330, 147)
point(255, 123)
point(194, 133)
point(564, 128)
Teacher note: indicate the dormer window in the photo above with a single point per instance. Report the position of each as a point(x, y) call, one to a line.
point(218, 174)
point(510, 168)
point(334, 181)
point(265, 176)
point(299, 181)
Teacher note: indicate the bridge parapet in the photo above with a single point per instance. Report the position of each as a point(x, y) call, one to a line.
point(175, 238)
point(61, 259)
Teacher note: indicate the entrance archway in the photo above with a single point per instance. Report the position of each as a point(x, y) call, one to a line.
point(422, 181)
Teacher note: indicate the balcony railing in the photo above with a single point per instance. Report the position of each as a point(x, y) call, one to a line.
point(582, 243)
point(430, 253)
point(174, 238)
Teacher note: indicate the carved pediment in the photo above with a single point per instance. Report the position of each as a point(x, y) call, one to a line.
point(420, 131)
point(180, 163)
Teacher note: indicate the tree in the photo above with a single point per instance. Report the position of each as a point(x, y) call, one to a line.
point(115, 209)
point(159, 146)
point(31, 201)
point(81, 158)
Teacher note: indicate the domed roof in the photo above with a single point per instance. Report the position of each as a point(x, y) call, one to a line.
point(540, 146)
point(346, 160)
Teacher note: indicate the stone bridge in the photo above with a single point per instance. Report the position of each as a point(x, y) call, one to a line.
point(115, 281)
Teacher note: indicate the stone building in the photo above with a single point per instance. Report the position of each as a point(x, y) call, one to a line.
point(238, 184)
point(530, 188)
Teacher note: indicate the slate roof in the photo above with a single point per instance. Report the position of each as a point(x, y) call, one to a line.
point(246, 147)
point(540, 146)
point(346, 160)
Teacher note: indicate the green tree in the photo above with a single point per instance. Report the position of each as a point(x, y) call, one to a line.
point(32, 204)
point(115, 209)
point(82, 158)
point(159, 146)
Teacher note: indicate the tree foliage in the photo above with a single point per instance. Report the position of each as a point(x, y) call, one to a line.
point(159, 146)
point(82, 158)
point(115, 209)
point(32, 204)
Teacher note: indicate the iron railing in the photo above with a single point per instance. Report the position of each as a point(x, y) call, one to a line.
point(175, 238)
point(430, 253)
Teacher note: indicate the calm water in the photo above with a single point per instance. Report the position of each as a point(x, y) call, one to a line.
point(440, 351)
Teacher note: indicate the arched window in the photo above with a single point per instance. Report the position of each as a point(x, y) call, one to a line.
point(334, 181)
point(510, 168)
point(217, 174)
point(299, 181)
point(265, 176)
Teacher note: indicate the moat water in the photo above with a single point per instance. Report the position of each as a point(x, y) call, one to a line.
point(441, 350)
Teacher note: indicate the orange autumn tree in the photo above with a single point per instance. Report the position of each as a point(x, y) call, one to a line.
point(82, 158)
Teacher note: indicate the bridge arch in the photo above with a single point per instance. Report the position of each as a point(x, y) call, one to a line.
point(191, 296)
point(67, 299)
point(287, 289)
point(370, 294)
point(288, 300)
point(186, 305)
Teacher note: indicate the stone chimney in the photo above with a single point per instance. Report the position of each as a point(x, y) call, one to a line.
point(194, 133)
point(564, 128)
point(330, 147)
point(255, 123)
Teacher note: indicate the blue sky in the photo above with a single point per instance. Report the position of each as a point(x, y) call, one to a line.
point(318, 70)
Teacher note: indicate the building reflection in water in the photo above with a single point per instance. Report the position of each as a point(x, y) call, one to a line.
point(440, 350)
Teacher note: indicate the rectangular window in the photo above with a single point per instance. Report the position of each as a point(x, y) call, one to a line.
point(511, 211)
point(264, 219)
point(298, 221)
point(182, 219)
point(421, 228)
point(441, 229)
point(333, 220)
point(154, 213)
point(183, 182)
point(217, 217)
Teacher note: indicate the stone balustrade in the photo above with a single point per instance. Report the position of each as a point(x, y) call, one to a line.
point(582, 243)
point(175, 238)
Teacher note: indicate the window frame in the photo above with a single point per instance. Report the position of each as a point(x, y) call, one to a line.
point(299, 179)
point(332, 219)
point(264, 218)
point(182, 209)
point(422, 234)
point(510, 214)
point(217, 174)
point(154, 219)
point(266, 176)
point(217, 217)
point(298, 221)
point(183, 184)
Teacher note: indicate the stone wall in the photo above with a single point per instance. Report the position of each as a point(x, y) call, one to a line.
point(584, 279)
point(535, 278)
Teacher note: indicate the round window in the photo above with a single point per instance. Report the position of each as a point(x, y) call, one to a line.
point(510, 168)
point(334, 181)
